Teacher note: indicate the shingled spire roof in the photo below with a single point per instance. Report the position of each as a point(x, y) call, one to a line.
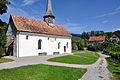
point(49, 12)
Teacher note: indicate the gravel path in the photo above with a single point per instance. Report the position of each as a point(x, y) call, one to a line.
point(98, 70)
point(24, 61)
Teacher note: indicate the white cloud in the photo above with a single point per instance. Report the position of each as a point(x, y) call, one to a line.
point(73, 27)
point(118, 8)
point(108, 14)
point(15, 10)
point(18, 11)
point(105, 21)
point(28, 2)
point(67, 20)
point(37, 12)
point(115, 29)
point(71, 24)
point(113, 12)
point(12, 2)
point(118, 29)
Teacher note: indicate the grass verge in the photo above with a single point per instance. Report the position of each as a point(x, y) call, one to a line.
point(3, 60)
point(42, 72)
point(114, 68)
point(80, 57)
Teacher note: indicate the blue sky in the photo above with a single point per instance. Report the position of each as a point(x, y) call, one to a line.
point(76, 15)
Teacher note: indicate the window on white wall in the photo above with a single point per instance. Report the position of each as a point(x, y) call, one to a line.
point(27, 37)
point(39, 44)
point(59, 45)
point(67, 44)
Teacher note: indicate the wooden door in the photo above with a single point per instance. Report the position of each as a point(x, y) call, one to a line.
point(64, 48)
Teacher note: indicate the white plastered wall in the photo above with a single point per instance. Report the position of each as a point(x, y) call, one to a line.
point(29, 47)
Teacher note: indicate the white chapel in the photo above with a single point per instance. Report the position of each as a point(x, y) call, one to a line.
point(31, 37)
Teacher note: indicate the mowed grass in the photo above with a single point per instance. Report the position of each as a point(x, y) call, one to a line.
point(42, 72)
point(80, 57)
point(114, 68)
point(2, 60)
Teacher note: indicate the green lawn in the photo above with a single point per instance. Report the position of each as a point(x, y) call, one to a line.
point(2, 60)
point(80, 57)
point(114, 68)
point(42, 72)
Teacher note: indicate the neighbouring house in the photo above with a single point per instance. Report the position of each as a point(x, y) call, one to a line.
point(114, 38)
point(97, 39)
point(31, 37)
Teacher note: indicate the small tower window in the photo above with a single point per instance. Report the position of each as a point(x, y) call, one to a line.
point(59, 45)
point(49, 16)
point(39, 44)
point(50, 20)
point(27, 37)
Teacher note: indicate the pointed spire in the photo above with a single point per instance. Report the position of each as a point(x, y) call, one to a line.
point(49, 12)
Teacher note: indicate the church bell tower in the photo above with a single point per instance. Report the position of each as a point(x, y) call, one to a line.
point(49, 16)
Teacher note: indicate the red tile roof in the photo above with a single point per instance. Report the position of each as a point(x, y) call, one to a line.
point(98, 38)
point(35, 26)
point(114, 36)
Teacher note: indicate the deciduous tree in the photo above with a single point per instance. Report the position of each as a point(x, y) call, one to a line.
point(3, 25)
point(3, 6)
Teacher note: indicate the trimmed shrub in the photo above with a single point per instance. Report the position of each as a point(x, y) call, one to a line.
point(74, 46)
point(114, 51)
point(80, 45)
point(91, 48)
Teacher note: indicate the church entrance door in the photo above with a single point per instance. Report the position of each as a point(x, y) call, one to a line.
point(64, 48)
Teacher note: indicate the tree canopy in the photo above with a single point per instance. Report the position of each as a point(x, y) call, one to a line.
point(117, 33)
point(86, 35)
point(3, 6)
point(3, 28)
point(3, 25)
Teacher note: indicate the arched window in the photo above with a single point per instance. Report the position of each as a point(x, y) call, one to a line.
point(39, 44)
point(67, 44)
point(59, 45)
point(26, 37)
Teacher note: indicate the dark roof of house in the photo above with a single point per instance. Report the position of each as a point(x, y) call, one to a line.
point(98, 38)
point(35, 26)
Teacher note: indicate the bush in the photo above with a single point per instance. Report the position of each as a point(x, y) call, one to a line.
point(101, 46)
point(96, 47)
point(105, 45)
point(91, 48)
point(80, 45)
point(74, 46)
point(86, 44)
point(114, 51)
point(114, 55)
